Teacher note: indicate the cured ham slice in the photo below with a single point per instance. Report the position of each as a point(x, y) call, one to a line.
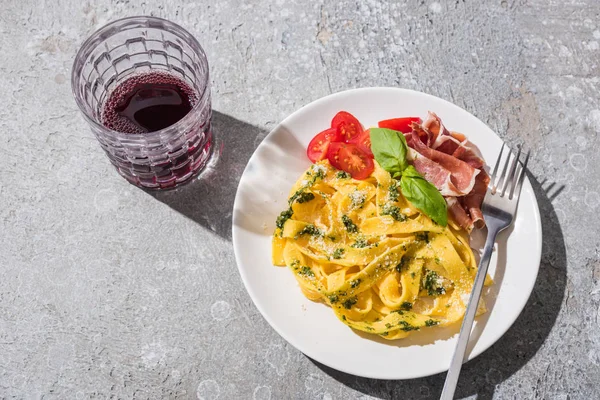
point(473, 201)
point(446, 160)
point(439, 176)
point(452, 143)
point(467, 155)
point(462, 175)
point(433, 124)
point(424, 135)
point(458, 213)
point(447, 144)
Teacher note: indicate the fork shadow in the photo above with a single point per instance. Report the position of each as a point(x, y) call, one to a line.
point(209, 199)
point(518, 345)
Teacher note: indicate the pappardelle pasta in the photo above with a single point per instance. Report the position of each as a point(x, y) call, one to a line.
point(359, 246)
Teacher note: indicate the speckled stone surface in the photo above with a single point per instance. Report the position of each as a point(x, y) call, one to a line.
point(107, 291)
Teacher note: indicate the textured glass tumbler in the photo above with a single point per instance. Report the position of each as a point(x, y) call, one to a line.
point(162, 159)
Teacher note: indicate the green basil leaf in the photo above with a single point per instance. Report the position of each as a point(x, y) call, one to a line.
point(389, 148)
point(424, 196)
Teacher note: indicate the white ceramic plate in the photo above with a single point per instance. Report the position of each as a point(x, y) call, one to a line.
point(312, 327)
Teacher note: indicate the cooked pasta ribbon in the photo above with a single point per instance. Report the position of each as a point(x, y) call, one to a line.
point(360, 247)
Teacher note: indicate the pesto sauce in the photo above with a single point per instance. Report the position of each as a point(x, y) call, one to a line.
point(305, 197)
point(406, 327)
point(354, 283)
point(300, 193)
point(309, 229)
point(349, 224)
point(338, 253)
point(306, 271)
point(333, 298)
point(360, 243)
point(403, 263)
point(284, 216)
point(423, 236)
point(393, 194)
point(350, 302)
point(342, 175)
point(431, 322)
point(394, 212)
point(319, 174)
point(432, 285)
point(407, 305)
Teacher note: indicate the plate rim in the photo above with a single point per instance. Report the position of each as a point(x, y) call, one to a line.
point(495, 336)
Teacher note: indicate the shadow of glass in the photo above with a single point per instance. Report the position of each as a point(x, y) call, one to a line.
point(518, 345)
point(209, 199)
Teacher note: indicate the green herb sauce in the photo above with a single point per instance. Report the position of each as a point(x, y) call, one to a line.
point(350, 226)
point(394, 212)
point(432, 285)
point(350, 302)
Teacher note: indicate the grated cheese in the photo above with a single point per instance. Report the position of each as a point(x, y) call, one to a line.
point(358, 198)
point(319, 167)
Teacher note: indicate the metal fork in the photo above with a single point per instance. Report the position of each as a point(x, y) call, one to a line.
point(499, 208)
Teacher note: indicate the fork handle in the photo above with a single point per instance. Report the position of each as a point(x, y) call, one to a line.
point(467, 324)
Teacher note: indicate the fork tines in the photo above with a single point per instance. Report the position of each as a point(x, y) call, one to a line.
point(513, 180)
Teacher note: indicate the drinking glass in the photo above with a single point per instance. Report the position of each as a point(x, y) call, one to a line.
point(166, 158)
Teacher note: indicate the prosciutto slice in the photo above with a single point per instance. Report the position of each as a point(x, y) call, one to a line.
point(452, 143)
point(462, 175)
point(467, 155)
point(473, 201)
point(420, 133)
point(446, 160)
point(433, 124)
point(435, 173)
point(459, 214)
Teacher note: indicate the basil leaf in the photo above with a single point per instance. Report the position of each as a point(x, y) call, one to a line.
point(389, 148)
point(424, 196)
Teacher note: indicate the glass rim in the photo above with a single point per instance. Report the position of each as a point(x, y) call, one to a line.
point(91, 43)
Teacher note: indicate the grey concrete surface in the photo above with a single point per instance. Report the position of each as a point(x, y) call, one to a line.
point(109, 292)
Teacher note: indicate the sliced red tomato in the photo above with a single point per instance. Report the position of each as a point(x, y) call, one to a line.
point(399, 124)
point(363, 142)
point(348, 157)
point(347, 125)
point(317, 148)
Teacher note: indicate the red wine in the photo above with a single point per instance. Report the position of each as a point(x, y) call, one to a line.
point(148, 102)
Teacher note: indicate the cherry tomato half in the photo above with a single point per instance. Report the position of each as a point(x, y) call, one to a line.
point(399, 124)
point(350, 158)
point(317, 148)
point(347, 125)
point(363, 142)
